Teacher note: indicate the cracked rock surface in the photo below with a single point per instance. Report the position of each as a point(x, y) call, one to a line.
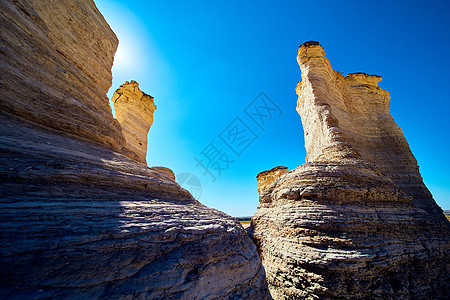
point(356, 221)
point(79, 218)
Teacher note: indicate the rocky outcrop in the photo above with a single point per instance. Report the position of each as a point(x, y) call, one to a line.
point(355, 221)
point(267, 178)
point(79, 218)
point(56, 60)
point(348, 117)
point(163, 170)
point(134, 111)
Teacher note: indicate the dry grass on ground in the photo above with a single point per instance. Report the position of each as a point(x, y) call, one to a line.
point(447, 214)
point(245, 224)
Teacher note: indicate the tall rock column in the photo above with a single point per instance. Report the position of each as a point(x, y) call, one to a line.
point(134, 111)
point(79, 219)
point(348, 117)
point(356, 221)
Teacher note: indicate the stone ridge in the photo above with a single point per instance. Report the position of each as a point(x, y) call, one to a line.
point(363, 73)
point(355, 221)
point(134, 111)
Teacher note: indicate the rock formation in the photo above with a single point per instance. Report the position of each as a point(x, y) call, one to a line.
point(134, 111)
point(56, 69)
point(79, 219)
point(267, 178)
point(163, 170)
point(355, 221)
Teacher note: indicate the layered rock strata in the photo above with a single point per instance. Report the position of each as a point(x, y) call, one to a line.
point(79, 219)
point(348, 117)
point(134, 111)
point(267, 178)
point(56, 60)
point(163, 170)
point(355, 221)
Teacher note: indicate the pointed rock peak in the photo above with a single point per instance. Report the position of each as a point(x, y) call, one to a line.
point(320, 228)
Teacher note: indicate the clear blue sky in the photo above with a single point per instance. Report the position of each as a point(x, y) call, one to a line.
point(206, 61)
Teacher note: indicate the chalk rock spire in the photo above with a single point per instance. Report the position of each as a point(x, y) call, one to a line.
point(348, 117)
point(134, 111)
point(356, 221)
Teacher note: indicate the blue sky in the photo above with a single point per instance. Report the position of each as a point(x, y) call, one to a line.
point(206, 61)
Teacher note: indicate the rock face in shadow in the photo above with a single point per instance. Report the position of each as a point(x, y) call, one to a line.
point(80, 219)
point(134, 111)
point(355, 221)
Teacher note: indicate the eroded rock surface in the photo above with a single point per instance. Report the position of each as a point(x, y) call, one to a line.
point(79, 219)
point(134, 111)
point(163, 170)
point(56, 63)
point(348, 117)
point(267, 178)
point(355, 221)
